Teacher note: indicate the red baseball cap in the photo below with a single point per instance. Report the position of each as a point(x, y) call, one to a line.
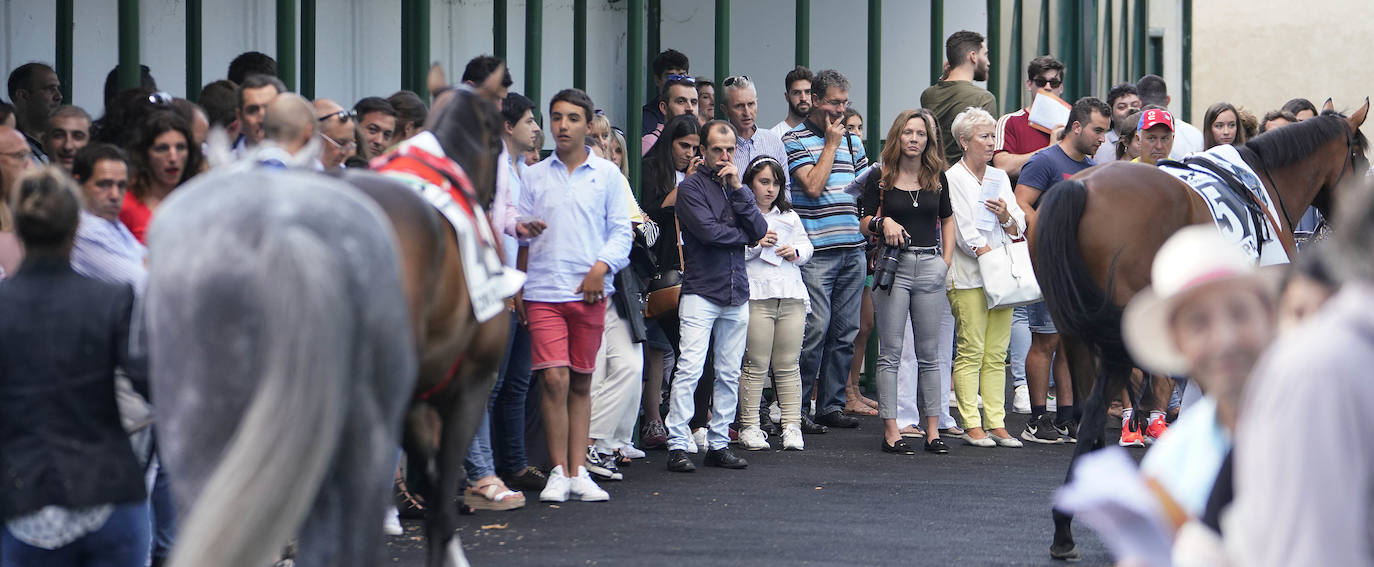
point(1154, 117)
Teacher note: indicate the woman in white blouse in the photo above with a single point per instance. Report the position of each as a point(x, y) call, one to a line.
point(983, 333)
point(778, 303)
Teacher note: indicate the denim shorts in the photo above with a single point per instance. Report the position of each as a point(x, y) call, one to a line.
point(1038, 316)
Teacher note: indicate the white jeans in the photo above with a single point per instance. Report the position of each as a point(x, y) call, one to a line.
point(616, 384)
point(907, 411)
point(702, 320)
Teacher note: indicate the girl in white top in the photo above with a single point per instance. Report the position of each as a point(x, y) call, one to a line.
point(778, 303)
point(983, 333)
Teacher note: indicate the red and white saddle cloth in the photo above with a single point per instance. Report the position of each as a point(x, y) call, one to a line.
point(420, 163)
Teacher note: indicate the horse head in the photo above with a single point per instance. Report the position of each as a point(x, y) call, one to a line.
point(468, 127)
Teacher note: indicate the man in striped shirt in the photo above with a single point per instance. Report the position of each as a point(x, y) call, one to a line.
point(104, 247)
point(822, 159)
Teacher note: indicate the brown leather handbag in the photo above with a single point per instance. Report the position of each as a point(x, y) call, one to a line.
point(666, 286)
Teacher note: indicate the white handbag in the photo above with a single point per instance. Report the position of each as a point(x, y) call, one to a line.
point(1008, 277)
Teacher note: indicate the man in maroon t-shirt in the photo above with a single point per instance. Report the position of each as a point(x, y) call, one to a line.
point(1016, 141)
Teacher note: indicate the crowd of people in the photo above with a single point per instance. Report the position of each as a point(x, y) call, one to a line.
point(723, 302)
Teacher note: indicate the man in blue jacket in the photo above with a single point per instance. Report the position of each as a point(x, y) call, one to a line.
point(719, 218)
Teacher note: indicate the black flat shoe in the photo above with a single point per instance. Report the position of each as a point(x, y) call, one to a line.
point(678, 461)
point(838, 419)
point(810, 427)
point(725, 458)
point(937, 446)
point(900, 447)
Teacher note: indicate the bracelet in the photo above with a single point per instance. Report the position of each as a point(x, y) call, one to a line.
point(1009, 222)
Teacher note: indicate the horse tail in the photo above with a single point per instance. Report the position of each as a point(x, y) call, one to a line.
point(1078, 306)
point(270, 472)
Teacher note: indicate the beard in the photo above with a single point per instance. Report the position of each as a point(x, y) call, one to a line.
point(800, 109)
point(980, 73)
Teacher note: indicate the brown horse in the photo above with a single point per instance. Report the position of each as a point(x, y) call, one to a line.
point(1097, 234)
point(458, 355)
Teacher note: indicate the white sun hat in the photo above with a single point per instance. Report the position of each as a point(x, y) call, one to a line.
point(1194, 257)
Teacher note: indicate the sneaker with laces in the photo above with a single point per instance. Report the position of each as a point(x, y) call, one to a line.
point(1068, 430)
point(653, 435)
point(1020, 400)
point(391, 524)
point(557, 488)
point(1041, 430)
point(585, 489)
point(1157, 428)
point(792, 438)
point(630, 452)
point(528, 479)
point(754, 439)
point(603, 466)
point(1130, 435)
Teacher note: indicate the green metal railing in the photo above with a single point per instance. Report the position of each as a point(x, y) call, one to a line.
point(937, 39)
point(722, 66)
point(128, 44)
point(286, 43)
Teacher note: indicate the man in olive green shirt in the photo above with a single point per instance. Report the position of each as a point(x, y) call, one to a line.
point(967, 55)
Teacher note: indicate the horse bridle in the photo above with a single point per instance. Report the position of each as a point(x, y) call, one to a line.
point(1348, 165)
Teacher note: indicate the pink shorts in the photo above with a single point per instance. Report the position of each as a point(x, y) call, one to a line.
point(565, 334)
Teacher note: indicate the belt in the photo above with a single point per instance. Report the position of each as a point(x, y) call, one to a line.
point(932, 250)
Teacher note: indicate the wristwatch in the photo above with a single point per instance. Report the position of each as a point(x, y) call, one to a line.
point(1007, 224)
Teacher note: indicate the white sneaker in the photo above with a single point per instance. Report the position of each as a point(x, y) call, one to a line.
point(1020, 399)
point(391, 524)
point(584, 488)
point(754, 439)
point(557, 487)
point(630, 452)
point(1049, 403)
point(775, 412)
point(691, 445)
point(699, 439)
point(792, 438)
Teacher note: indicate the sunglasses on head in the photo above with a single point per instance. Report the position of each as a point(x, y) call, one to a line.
point(684, 78)
point(1053, 83)
point(344, 115)
point(161, 98)
point(732, 80)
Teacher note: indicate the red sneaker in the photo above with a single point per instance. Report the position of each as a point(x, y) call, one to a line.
point(1157, 428)
point(1130, 435)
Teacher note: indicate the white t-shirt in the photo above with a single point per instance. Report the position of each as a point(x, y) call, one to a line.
point(1187, 140)
point(781, 128)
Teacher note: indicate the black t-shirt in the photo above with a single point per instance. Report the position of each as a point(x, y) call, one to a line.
point(915, 210)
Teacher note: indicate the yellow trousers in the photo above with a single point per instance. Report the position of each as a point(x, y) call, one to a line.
point(980, 358)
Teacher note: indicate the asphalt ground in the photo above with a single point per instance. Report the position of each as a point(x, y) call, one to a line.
point(840, 502)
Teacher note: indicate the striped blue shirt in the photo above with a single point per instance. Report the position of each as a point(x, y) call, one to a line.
point(105, 250)
point(832, 220)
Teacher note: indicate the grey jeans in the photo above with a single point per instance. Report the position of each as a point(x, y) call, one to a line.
point(917, 289)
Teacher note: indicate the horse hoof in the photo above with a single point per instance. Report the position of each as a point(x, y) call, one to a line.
point(1066, 552)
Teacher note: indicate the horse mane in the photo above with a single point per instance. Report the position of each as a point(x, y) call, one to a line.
point(1283, 146)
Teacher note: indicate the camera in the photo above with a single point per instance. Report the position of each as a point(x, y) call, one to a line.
point(885, 269)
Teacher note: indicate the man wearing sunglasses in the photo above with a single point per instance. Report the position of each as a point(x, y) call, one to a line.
point(336, 133)
point(679, 96)
point(1016, 141)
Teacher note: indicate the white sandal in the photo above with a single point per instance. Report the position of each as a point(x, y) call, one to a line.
point(493, 496)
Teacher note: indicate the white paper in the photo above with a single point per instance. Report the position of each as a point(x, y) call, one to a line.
point(992, 189)
point(1108, 493)
point(1048, 112)
point(784, 231)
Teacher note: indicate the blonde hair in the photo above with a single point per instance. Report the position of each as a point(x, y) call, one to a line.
point(618, 139)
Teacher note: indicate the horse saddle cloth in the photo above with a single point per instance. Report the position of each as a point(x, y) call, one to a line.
point(1240, 207)
point(420, 162)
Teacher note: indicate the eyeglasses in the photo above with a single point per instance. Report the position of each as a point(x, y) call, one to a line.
point(161, 98)
point(684, 78)
point(344, 115)
point(1053, 83)
point(733, 80)
point(837, 102)
point(344, 146)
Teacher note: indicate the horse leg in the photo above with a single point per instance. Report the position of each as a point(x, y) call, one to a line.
point(1083, 370)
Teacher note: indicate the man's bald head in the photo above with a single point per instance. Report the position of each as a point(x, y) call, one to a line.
point(290, 121)
point(336, 131)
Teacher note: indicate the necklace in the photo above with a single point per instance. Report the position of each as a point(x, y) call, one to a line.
point(970, 171)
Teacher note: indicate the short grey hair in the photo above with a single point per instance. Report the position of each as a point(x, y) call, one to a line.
point(972, 117)
point(827, 79)
point(741, 83)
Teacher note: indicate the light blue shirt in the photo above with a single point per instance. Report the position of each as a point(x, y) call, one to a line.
point(588, 221)
point(763, 143)
point(107, 251)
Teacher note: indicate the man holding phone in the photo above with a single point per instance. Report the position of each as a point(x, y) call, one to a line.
point(822, 159)
point(719, 218)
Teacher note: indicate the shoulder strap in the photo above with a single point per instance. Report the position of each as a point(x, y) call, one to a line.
point(677, 240)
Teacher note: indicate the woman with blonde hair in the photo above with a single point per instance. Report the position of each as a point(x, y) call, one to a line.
point(983, 333)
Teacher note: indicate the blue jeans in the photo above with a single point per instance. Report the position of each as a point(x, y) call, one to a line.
point(703, 320)
point(835, 281)
point(1020, 345)
point(508, 413)
point(121, 542)
point(479, 463)
point(164, 514)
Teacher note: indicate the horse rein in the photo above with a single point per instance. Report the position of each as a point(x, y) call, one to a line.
point(1348, 164)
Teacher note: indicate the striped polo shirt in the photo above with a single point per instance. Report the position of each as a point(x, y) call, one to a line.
point(832, 220)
